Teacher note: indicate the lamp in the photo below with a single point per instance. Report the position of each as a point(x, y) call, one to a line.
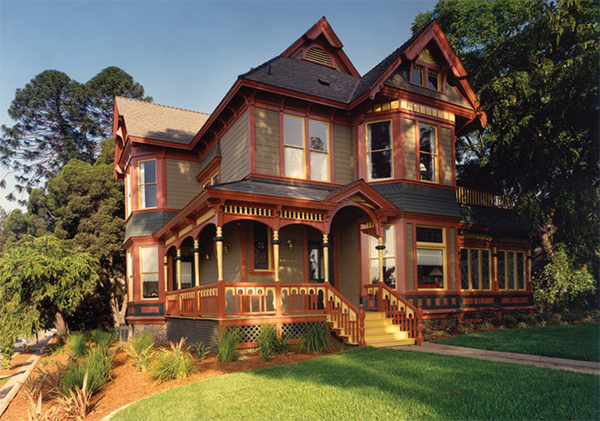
point(436, 272)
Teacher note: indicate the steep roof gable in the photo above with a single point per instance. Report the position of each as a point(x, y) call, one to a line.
point(321, 45)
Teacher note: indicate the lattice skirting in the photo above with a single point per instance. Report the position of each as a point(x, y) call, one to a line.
point(195, 331)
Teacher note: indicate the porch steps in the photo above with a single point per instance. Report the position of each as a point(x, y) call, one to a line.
point(380, 332)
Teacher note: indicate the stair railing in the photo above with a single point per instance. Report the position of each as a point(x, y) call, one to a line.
point(345, 316)
point(381, 297)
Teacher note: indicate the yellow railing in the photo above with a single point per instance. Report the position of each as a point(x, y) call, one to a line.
point(480, 198)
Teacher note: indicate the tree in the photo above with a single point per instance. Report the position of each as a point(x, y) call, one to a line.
point(59, 119)
point(534, 66)
point(41, 279)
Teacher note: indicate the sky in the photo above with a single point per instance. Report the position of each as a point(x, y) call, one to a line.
point(186, 54)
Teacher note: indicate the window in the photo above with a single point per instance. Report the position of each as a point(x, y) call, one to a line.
point(389, 257)
point(130, 275)
point(149, 271)
point(147, 184)
point(295, 148)
point(424, 75)
point(261, 249)
point(186, 272)
point(417, 75)
point(128, 196)
point(433, 80)
point(511, 269)
point(430, 258)
point(379, 150)
point(427, 152)
point(475, 269)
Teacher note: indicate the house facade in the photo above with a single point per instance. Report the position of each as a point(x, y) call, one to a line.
point(312, 193)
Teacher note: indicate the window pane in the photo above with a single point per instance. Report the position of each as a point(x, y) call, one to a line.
point(510, 267)
point(417, 75)
point(433, 80)
point(150, 285)
point(318, 166)
point(501, 270)
point(389, 240)
point(294, 165)
point(381, 164)
point(430, 235)
point(293, 130)
point(485, 269)
point(464, 268)
point(149, 258)
point(475, 268)
point(374, 270)
point(186, 275)
point(427, 167)
point(430, 268)
point(521, 270)
point(389, 272)
point(148, 196)
point(379, 136)
point(147, 172)
point(318, 136)
point(426, 138)
point(261, 246)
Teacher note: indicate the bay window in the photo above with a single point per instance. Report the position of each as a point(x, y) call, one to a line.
point(431, 252)
point(147, 184)
point(475, 269)
point(427, 152)
point(511, 269)
point(149, 271)
point(379, 150)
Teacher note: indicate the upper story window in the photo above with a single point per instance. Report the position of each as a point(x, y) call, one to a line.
point(128, 194)
point(424, 73)
point(297, 147)
point(427, 152)
point(147, 184)
point(379, 149)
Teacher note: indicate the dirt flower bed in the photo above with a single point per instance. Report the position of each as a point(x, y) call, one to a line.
point(129, 385)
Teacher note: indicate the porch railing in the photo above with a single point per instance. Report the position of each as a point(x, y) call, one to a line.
point(236, 299)
point(381, 297)
point(479, 198)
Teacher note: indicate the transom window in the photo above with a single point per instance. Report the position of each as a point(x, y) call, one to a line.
point(475, 269)
point(147, 183)
point(427, 152)
point(379, 150)
point(297, 147)
point(431, 252)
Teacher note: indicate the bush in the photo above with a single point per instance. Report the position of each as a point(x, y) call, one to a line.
point(316, 338)
point(201, 351)
point(102, 338)
point(77, 344)
point(97, 364)
point(562, 288)
point(267, 340)
point(173, 363)
point(141, 349)
point(226, 342)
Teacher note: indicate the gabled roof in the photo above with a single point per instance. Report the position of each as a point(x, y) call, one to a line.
point(159, 122)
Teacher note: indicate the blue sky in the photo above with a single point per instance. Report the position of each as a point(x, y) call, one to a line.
point(186, 54)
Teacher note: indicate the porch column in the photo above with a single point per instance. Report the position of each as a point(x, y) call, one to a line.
point(219, 245)
point(196, 251)
point(178, 268)
point(380, 247)
point(166, 272)
point(326, 257)
point(275, 243)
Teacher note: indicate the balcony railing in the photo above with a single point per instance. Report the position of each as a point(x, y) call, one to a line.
point(479, 198)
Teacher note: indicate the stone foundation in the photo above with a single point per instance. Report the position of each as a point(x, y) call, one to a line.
point(158, 331)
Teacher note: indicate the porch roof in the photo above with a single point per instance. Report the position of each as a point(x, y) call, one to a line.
point(493, 217)
point(279, 188)
point(417, 198)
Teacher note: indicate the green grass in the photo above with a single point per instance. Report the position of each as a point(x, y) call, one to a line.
point(577, 342)
point(380, 384)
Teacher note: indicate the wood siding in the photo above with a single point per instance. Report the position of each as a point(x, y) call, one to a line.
point(344, 154)
point(266, 141)
point(410, 153)
point(291, 262)
point(235, 163)
point(447, 161)
point(182, 185)
point(348, 260)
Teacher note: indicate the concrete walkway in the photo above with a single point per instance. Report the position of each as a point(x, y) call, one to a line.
point(11, 388)
point(508, 357)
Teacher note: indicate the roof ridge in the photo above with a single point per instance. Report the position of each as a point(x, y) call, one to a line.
point(161, 105)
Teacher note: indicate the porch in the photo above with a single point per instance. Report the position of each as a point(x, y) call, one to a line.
point(386, 320)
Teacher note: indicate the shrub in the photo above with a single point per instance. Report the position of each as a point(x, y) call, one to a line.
point(267, 341)
point(141, 349)
point(96, 366)
point(201, 351)
point(316, 338)
point(102, 338)
point(173, 363)
point(77, 404)
point(226, 342)
point(77, 344)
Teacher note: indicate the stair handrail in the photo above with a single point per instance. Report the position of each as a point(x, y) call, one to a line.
point(410, 309)
point(352, 328)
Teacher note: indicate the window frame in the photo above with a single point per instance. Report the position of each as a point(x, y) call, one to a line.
point(142, 186)
point(142, 273)
point(424, 245)
point(425, 69)
point(434, 156)
point(515, 269)
point(369, 151)
point(480, 268)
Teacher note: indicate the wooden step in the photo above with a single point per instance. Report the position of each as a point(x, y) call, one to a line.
point(386, 344)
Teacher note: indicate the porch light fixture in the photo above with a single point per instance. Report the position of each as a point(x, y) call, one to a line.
point(227, 248)
point(290, 244)
point(207, 255)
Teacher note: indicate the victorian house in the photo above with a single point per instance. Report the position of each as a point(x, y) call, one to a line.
point(313, 193)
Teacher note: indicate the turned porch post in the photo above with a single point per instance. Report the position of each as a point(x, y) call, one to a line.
point(178, 268)
point(166, 272)
point(275, 243)
point(380, 247)
point(219, 244)
point(326, 257)
point(196, 251)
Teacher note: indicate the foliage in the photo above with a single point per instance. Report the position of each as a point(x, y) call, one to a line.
point(316, 338)
point(367, 383)
point(201, 351)
point(141, 349)
point(59, 119)
point(265, 343)
point(173, 363)
point(102, 338)
point(77, 344)
point(534, 67)
point(41, 279)
point(226, 343)
point(96, 366)
point(562, 288)
point(78, 403)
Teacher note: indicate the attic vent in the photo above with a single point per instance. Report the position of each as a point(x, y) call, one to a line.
point(317, 55)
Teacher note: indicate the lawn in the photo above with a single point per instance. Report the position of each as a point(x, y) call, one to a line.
point(578, 341)
point(380, 384)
